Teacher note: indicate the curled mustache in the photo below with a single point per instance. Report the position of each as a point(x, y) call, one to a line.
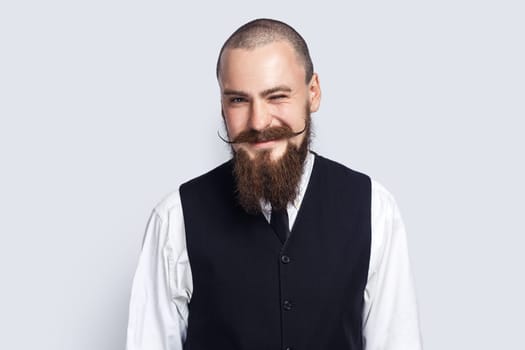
point(271, 134)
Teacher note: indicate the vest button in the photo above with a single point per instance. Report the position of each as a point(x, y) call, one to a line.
point(288, 348)
point(285, 259)
point(287, 305)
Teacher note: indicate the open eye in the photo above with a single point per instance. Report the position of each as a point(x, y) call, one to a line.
point(235, 100)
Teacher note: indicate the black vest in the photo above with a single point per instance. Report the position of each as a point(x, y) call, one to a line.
point(250, 292)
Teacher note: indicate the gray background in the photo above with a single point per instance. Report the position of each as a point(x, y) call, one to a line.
point(107, 106)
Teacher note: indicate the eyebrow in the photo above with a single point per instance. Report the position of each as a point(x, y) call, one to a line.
point(264, 93)
point(228, 92)
point(280, 88)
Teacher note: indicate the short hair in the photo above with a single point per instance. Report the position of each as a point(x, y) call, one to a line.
point(262, 31)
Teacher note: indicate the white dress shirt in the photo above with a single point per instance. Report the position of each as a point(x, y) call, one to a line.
point(162, 286)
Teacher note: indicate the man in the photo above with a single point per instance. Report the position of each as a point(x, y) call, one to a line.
point(278, 248)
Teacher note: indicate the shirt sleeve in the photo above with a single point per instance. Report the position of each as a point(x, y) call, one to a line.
point(390, 316)
point(161, 289)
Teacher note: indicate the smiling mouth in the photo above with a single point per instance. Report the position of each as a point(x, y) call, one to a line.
point(259, 144)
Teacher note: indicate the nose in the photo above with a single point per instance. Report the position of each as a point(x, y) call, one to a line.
point(260, 116)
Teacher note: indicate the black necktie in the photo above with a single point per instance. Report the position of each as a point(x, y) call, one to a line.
point(279, 222)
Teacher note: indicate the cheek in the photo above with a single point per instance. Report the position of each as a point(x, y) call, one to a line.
point(235, 123)
point(283, 114)
point(293, 116)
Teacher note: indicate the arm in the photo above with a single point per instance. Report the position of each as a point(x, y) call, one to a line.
point(158, 308)
point(390, 317)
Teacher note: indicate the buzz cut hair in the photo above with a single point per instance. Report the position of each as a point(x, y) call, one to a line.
point(263, 31)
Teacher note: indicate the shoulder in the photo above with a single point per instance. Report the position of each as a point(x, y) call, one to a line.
point(385, 216)
point(342, 183)
point(339, 169)
point(170, 205)
point(382, 198)
point(220, 173)
point(383, 206)
point(342, 179)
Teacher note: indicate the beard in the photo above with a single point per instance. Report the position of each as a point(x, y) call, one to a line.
point(275, 181)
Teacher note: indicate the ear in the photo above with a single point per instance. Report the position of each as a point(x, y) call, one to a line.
point(314, 93)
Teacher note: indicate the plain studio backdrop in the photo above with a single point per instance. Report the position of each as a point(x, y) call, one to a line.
point(107, 106)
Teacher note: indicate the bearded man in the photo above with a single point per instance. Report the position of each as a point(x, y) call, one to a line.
point(278, 248)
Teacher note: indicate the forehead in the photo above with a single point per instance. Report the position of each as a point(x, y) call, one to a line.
point(262, 67)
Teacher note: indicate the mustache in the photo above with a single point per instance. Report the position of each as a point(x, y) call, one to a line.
point(271, 134)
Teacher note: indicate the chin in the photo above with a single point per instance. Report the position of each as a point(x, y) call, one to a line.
point(275, 149)
point(277, 154)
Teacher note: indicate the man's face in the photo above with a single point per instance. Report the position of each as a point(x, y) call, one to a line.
point(263, 88)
